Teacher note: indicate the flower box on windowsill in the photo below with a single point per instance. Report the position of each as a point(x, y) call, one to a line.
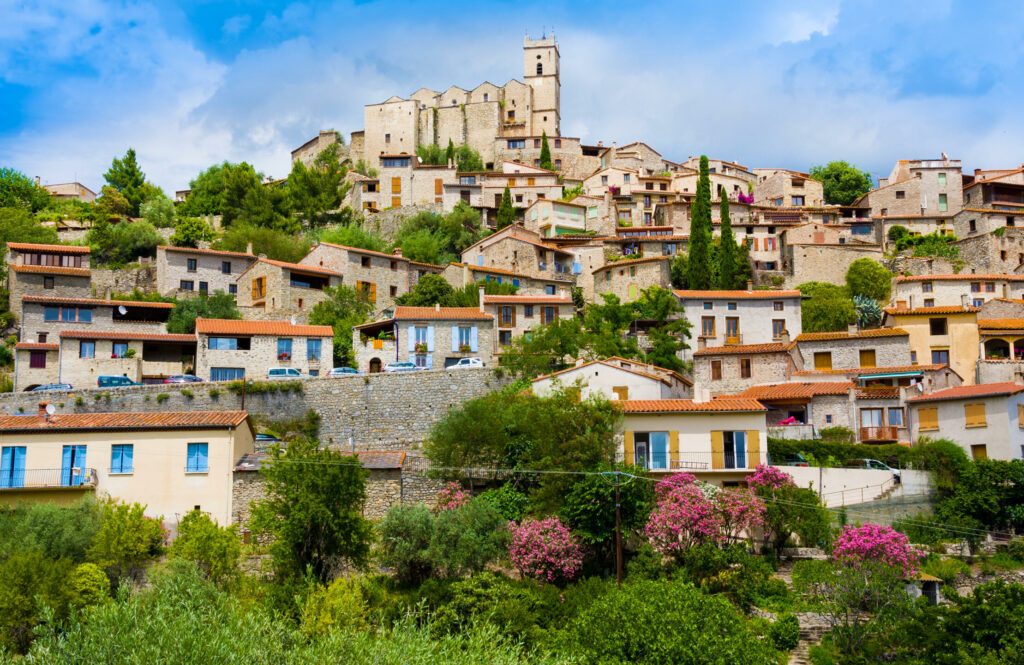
point(465, 348)
point(284, 357)
point(421, 347)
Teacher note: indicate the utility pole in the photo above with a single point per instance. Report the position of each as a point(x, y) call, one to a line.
point(618, 534)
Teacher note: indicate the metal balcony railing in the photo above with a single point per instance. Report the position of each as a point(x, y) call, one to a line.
point(14, 479)
point(694, 461)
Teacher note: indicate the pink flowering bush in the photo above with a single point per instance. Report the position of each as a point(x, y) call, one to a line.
point(545, 550)
point(666, 485)
point(451, 497)
point(769, 478)
point(874, 542)
point(740, 510)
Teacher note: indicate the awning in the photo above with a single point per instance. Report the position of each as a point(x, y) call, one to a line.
point(890, 375)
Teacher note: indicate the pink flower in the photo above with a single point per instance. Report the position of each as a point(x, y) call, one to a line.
point(451, 497)
point(769, 477)
point(875, 542)
point(545, 550)
point(689, 513)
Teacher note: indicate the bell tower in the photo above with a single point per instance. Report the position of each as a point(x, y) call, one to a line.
point(541, 69)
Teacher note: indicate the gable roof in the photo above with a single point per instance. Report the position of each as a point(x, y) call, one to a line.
point(968, 392)
point(97, 302)
point(360, 250)
point(607, 362)
point(296, 267)
point(693, 294)
point(787, 391)
point(1001, 324)
point(844, 334)
point(744, 349)
point(406, 313)
point(51, 270)
point(42, 247)
point(926, 311)
point(961, 277)
point(726, 405)
point(127, 335)
point(213, 252)
point(241, 327)
point(131, 420)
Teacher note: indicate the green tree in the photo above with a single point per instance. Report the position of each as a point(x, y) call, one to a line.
point(230, 188)
point(158, 211)
point(272, 243)
point(206, 191)
point(668, 336)
point(126, 176)
point(315, 191)
point(467, 159)
point(182, 320)
point(699, 263)
point(214, 549)
point(119, 244)
point(842, 182)
point(506, 213)
point(449, 153)
point(869, 278)
point(439, 239)
point(19, 191)
point(680, 271)
point(430, 290)
point(405, 534)
point(88, 586)
point(791, 510)
point(315, 519)
point(113, 203)
point(589, 509)
point(467, 539)
point(190, 231)
point(126, 541)
point(17, 225)
point(266, 206)
point(352, 235)
point(826, 307)
point(545, 153)
point(432, 153)
point(727, 249)
point(343, 308)
point(547, 348)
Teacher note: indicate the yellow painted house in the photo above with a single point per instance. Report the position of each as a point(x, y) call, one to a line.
point(173, 462)
point(940, 336)
point(720, 440)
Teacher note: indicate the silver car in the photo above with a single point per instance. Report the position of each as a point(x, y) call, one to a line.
point(402, 366)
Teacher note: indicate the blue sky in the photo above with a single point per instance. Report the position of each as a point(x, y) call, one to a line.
point(790, 84)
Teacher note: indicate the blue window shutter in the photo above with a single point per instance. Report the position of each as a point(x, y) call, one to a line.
point(430, 339)
point(740, 443)
point(576, 268)
point(18, 477)
point(479, 259)
point(455, 339)
point(411, 330)
point(515, 282)
point(430, 361)
point(203, 457)
point(65, 466)
point(473, 339)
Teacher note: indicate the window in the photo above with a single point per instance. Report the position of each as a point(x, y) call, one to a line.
point(973, 225)
point(943, 203)
point(709, 305)
point(71, 314)
point(625, 178)
point(974, 415)
point(929, 302)
point(465, 337)
point(716, 370)
point(823, 360)
point(314, 372)
point(393, 291)
point(284, 348)
point(86, 349)
point(368, 289)
point(927, 287)
point(395, 163)
point(121, 455)
point(507, 315)
point(604, 180)
point(12, 466)
point(547, 314)
point(867, 358)
point(942, 180)
point(193, 265)
point(979, 451)
point(313, 346)
point(732, 328)
point(937, 326)
point(37, 359)
point(797, 201)
point(187, 285)
point(731, 307)
point(505, 337)
point(120, 350)
point(990, 287)
point(540, 69)
point(900, 194)
point(47, 282)
point(975, 287)
point(225, 267)
point(259, 288)
point(729, 450)
point(778, 328)
point(707, 326)
point(204, 287)
point(651, 450)
point(745, 368)
point(558, 143)
point(396, 185)
point(940, 356)
point(896, 416)
point(528, 311)
point(779, 306)
point(229, 343)
point(226, 373)
point(519, 198)
point(197, 460)
point(977, 302)
point(233, 289)
point(928, 418)
point(515, 144)
point(387, 138)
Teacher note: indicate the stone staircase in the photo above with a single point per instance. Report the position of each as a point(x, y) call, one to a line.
point(812, 629)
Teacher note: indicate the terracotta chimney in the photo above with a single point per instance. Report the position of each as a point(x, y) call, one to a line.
point(784, 337)
point(42, 409)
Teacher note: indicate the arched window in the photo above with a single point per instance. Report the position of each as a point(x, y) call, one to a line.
point(540, 69)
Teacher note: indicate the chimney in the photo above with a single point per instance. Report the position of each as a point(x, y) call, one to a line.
point(481, 299)
point(851, 329)
point(106, 293)
point(38, 182)
point(901, 304)
point(397, 251)
point(965, 300)
point(910, 300)
point(42, 409)
point(750, 285)
point(437, 307)
point(702, 343)
point(784, 337)
point(701, 395)
point(248, 248)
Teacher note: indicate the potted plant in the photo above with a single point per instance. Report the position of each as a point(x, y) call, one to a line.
point(465, 348)
point(284, 357)
point(421, 347)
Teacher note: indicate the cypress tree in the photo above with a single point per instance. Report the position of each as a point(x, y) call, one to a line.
point(449, 153)
point(700, 231)
point(545, 153)
point(506, 213)
point(727, 248)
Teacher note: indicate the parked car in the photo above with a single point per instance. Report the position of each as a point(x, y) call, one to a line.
point(402, 366)
point(343, 371)
point(183, 378)
point(50, 386)
point(284, 373)
point(115, 382)
point(874, 465)
point(264, 439)
point(795, 459)
point(467, 362)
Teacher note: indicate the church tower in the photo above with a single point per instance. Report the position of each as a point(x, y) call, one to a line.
point(541, 72)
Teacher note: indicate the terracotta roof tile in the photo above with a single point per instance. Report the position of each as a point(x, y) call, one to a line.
point(961, 277)
point(214, 252)
point(360, 250)
point(856, 371)
point(404, 313)
point(1001, 324)
point(55, 249)
point(843, 334)
point(128, 420)
point(298, 267)
point(925, 311)
point(496, 271)
point(689, 406)
point(967, 392)
point(126, 335)
point(368, 459)
point(640, 369)
point(784, 391)
point(96, 302)
point(630, 262)
point(528, 300)
point(690, 294)
point(50, 270)
point(36, 346)
point(741, 349)
point(240, 327)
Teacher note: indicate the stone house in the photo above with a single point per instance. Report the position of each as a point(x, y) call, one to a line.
point(39, 269)
point(628, 278)
point(526, 184)
point(170, 462)
point(722, 167)
point(571, 159)
point(44, 317)
point(928, 188)
point(308, 151)
point(617, 379)
point(460, 275)
point(720, 318)
point(517, 314)
point(185, 271)
point(783, 188)
point(517, 250)
point(278, 288)
point(941, 335)
point(824, 262)
point(951, 290)
point(722, 370)
point(646, 241)
point(719, 441)
point(611, 180)
point(432, 337)
point(71, 191)
point(35, 363)
point(85, 355)
point(231, 349)
point(549, 217)
point(638, 156)
point(404, 181)
point(986, 420)
point(992, 200)
point(855, 349)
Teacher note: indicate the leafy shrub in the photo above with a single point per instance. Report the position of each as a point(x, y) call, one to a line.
point(926, 529)
point(338, 605)
point(162, 397)
point(508, 501)
point(215, 550)
point(88, 586)
point(126, 540)
point(32, 584)
point(187, 393)
point(466, 539)
point(785, 632)
point(1015, 549)
point(61, 532)
point(730, 571)
point(545, 550)
point(892, 454)
point(452, 496)
point(405, 534)
point(946, 569)
point(837, 434)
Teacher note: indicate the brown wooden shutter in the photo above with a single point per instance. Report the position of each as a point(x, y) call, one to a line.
point(438, 186)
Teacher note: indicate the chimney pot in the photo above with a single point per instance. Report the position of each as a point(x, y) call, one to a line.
point(750, 285)
point(784, 337)
point(437, 307)
point(38, 181)
point(851, 328)
point(397, 251)
point(248, 248)
point(42, 409)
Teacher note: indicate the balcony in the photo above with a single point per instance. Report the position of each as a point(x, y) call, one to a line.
point(792, 432)
point(882, 434)
point(34, 479)
point(700, 462)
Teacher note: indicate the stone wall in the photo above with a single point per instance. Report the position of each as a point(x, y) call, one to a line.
point(386, 223)
point(125, 280)
point(825, 263)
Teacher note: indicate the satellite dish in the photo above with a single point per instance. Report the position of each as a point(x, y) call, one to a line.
point(50, 409)
point(122, 310)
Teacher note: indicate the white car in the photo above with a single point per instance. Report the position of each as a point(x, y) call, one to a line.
point(466, 363)
point(403, 366)
point(284, 373)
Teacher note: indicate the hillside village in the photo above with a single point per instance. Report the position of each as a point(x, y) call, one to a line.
point(457, 255)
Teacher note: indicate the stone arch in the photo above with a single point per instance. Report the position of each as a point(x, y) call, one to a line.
point(375, 366)
point(997, 348)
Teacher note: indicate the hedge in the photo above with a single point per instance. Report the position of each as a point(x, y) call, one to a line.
point(892, 454)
